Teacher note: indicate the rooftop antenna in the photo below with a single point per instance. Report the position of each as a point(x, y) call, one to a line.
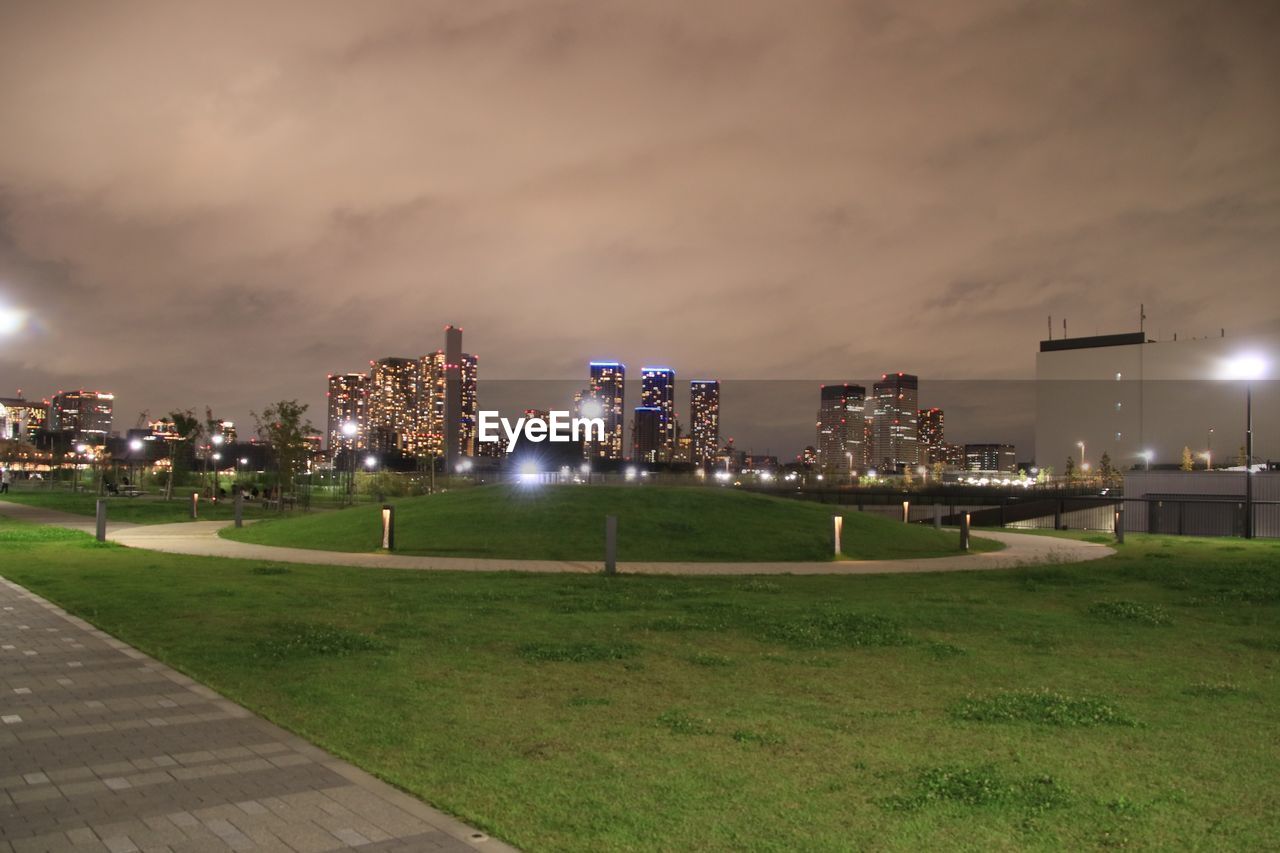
point(1142, 319)
point(1064, 327)
point(1050, 327)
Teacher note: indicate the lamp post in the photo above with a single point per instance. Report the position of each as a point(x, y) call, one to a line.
point(1146, 458)
point(349, 430)
point(134, 446)
point(217, 457)
point(216, 439)
point(1080, 444)
point(1248, 368)
point(81, 450)
point(1208, 451)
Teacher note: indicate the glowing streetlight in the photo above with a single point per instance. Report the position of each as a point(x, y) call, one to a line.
point(1147, 456)
point(1247, 367)
point(370, 462)
point(11, 320)
point(135, 445)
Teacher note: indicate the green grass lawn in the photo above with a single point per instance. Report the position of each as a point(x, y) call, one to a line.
point(567, 523)
point(144, 509)
point(1131, 701)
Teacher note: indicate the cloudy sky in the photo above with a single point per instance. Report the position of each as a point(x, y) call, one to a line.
point(219, 203)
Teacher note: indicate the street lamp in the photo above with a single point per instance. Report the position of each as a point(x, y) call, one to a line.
point(1208, 451)
point(1080, 444)
point(1146, 457)
point(349, 430)
point(1248, 368)
point(134, 446)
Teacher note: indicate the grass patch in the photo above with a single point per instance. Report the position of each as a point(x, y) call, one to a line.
point(1045, 707)
point(824, 630)
point(147, 509)
point(545, 709)
point(655, 523)
point(303, 639)
point(1131, 611)
point(577, 652)
point(1214, 689)
point(979, 786)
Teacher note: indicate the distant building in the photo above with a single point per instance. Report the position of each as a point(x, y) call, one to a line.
point(895, 433)
point(809, 457)
point(953, 457)
point(704, 419)
point(226, 429)
point(841, 411)
point(347, 400)
point(86, 415)
point(658, 391)
point(932, 436)
point(647, 434)
point(991, 458)
point(1130, 396)
point(22, 418)
point(605, 398)
point(394, 422)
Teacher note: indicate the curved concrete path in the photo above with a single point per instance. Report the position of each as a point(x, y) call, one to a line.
point(200, 538)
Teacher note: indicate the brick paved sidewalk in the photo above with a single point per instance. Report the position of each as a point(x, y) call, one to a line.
point(104, 749)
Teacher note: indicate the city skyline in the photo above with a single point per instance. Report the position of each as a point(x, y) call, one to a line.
point(287, 203)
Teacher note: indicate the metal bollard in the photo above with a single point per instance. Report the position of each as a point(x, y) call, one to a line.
point(195, 503)
point(101, 518)
point(837, 531)
point(906, 512)
point(239, 508)
point(937, 516)
point(1120, 525)
point(964, 532)
point(388, 527)
point(610, 544)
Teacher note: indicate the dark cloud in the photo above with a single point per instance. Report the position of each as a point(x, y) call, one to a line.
point(223, 203)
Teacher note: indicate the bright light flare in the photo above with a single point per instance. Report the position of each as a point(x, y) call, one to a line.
point(12, 320)
point(1248, 366)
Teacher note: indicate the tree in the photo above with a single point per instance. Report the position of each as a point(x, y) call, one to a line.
point(284, 427)
point(187, 429)
point(1188, 462)
point(1106, 470)
point(1069, 470)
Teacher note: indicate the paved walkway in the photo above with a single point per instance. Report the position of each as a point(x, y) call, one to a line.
point(104, 749)
point(200, 538)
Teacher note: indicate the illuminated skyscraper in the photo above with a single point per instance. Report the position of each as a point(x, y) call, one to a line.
point(895, 441)
point(704, 419)
point(932, 436)
point(347, 403)
point(434, 402)
point(840, 428)
point(647, 434)
point(606, 399)
point(393, 405)
point(658, 391)
point(85, 414)
point(452, 395)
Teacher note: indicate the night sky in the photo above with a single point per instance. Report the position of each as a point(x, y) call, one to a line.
point(220, 203)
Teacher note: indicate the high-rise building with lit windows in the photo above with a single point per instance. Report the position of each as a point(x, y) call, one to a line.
point(605, 398)
point(895, 441)
point(393, 405)
point(347, 399)
point(434, 404)
point(991, 458)
point(704, 419)
point(85, 414)
point(25, 417)
point(658, 391)
point(647, 434)
point(840, 428)
point(932, 436)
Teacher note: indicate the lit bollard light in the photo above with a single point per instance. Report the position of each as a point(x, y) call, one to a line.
point(239, 508)
point(837, 529)
point(1120, 525)
point(195, 505)
point(388, 527)
point(906, 512)
point(610, 544)
point(964, 532)
point(101, 519)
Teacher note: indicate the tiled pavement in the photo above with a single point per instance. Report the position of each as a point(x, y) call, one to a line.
point(104, 749)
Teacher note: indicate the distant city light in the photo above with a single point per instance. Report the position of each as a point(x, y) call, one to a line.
point(370, 461)
point(631, 472)
point(135, 445)
point(349, 429)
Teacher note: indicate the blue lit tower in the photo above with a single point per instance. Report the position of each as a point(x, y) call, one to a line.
point(658, 391)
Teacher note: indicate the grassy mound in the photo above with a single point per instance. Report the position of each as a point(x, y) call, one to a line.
point(567, 523)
